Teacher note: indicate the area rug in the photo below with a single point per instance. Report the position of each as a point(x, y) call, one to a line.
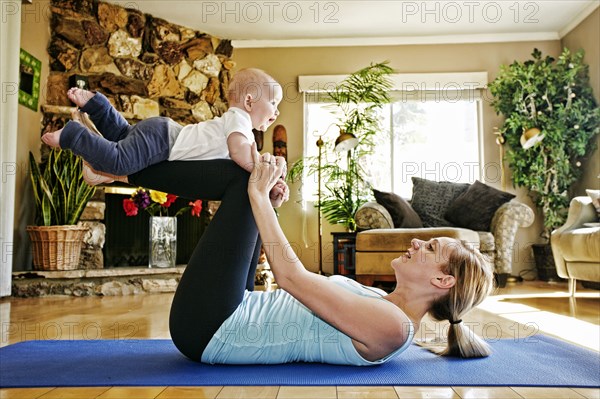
point(537, 361)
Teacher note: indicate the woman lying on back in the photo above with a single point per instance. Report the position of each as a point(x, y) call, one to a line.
point(442, 277)
point(216, 317)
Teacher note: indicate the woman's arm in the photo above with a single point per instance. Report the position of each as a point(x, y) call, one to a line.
point(376, 327)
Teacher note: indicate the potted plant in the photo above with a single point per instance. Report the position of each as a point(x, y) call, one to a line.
point(357, 100)
point(551, 120)
point(60, 197)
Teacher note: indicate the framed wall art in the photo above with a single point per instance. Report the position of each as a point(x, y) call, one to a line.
point(29, 80)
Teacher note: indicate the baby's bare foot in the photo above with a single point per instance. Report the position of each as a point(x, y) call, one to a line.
point(52, 138)
point(79, 96)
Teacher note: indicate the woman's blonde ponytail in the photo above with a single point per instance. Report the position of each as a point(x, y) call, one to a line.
point(474, 282)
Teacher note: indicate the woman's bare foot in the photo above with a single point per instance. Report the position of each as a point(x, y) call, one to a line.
point(52, 138)
point(92, 177)
point(79, 97)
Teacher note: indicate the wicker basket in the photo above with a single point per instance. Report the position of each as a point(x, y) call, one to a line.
point(56, 247)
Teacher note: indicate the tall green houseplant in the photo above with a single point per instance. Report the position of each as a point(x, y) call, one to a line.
point(60, 195)
point(551, 120)
point(357, 100)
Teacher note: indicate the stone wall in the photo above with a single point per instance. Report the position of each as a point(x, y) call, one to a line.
point(92, 256)
point(146, 66)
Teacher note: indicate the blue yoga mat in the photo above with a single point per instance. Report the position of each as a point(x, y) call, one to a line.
point(537, 361)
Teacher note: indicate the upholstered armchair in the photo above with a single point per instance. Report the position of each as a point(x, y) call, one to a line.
point(576, 245)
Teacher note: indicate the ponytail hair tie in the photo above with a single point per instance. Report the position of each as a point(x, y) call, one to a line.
point(455, 321)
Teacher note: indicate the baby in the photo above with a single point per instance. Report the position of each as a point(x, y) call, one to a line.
point(123, 149)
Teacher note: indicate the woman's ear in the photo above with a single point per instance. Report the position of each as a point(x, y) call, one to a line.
point(445, 282)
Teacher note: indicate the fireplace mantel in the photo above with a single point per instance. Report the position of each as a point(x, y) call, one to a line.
point(106, 282)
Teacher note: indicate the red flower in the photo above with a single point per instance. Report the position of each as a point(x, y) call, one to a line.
point(130, 207)
point(170, 199)
point(196, 207)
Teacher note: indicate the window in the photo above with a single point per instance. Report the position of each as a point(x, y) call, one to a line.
point(429, 137)
point(429, 134)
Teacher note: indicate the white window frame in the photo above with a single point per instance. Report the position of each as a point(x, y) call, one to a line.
point(467, 82)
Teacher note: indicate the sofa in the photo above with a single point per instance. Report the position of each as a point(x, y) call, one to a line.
point(576, 244)
point(484, 217)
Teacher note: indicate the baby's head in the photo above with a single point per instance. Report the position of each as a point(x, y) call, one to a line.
point(251, 81)
point(256, 92)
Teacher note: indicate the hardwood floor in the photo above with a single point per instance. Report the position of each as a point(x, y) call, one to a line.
point(520, 308)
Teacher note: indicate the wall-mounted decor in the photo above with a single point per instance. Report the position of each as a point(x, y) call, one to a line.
point(29, 80)
point(280, 141)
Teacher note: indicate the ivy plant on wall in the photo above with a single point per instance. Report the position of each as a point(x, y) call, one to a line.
point(551, 120)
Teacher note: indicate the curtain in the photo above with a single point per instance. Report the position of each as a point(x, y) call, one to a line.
point(10, 33)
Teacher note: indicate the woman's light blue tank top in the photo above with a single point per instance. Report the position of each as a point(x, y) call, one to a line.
point(274, 327)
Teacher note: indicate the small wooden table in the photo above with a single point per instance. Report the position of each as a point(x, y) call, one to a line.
point(344, 250)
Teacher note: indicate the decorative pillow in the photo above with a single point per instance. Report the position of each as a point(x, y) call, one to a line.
point(371, 215)
point(475, 208)
point(400, 210)
point(430, 199)
point(595, 196)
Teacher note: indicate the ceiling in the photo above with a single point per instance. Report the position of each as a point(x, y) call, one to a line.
point(272, 23)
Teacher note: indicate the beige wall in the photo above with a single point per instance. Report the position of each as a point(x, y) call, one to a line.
point(35, 34)
point(585, 36)
point(285, 64)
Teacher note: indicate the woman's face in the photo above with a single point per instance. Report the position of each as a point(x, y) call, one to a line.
point(425, 259)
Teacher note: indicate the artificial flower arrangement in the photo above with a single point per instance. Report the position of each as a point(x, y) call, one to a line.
point(156, 203)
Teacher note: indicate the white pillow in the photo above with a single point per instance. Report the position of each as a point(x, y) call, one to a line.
point(595, 196)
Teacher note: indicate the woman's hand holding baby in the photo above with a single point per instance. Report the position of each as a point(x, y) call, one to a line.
point(266, 178)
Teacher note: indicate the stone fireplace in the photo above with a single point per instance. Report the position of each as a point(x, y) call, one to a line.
point(146, 67)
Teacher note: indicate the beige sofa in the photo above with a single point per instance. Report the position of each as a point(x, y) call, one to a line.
point(379, 243)
point(576, 245)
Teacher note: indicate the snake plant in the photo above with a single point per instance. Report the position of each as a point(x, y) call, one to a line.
point(58, 188)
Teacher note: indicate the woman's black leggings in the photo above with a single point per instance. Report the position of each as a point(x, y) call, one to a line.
point(223, 263)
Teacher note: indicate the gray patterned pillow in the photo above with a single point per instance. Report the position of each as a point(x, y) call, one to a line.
point(431, 199)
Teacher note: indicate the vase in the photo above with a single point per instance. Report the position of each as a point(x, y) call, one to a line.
point(163, 241)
